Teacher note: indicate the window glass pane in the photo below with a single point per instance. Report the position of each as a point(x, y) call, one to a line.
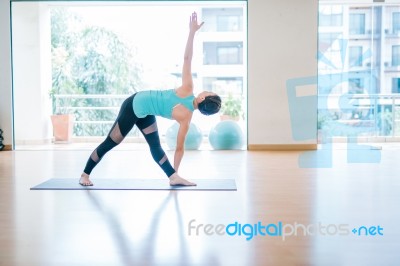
point(331, 16)
point(357, 24)
point(355, 56)
point(222, 19)
point(396, 55)
point(228, 55)
point(356, 85)
point(222, 53)
point(396, 22)
point(396, 85)
point(224, 86)
point(228, 23)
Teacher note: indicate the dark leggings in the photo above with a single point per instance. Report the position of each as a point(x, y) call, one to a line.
point(125, 121)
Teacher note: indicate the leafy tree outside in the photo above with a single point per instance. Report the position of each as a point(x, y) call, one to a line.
point(90, 60)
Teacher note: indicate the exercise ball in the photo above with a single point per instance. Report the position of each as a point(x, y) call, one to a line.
point(193, 139)
point(226, 135)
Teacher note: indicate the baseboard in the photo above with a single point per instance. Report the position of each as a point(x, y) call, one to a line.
point(33, 142)
point(282, 147)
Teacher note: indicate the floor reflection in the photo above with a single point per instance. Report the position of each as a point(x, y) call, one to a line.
point(146, 251)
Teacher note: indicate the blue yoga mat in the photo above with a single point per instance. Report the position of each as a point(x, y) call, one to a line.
point(135, 184)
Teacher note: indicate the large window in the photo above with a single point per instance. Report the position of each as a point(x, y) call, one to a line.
point(85, 58)
point(355, 77)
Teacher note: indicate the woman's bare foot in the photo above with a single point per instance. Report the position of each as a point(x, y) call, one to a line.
point(176, 180)
point(84, 180)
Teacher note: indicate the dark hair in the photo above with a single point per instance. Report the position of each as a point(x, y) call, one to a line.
point(210, 105)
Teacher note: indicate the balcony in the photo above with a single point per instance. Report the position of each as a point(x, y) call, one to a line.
point(370, 117)
point(89, 130)
point(390, 67)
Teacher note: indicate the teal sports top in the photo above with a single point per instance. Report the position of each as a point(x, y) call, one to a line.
point(159, 103)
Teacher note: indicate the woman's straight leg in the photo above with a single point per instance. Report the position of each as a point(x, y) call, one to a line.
point(124, 123)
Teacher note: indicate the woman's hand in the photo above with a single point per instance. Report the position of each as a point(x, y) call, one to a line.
point(194, 25)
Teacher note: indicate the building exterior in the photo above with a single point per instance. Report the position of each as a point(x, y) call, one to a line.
point(359, 58)
point(223, 44)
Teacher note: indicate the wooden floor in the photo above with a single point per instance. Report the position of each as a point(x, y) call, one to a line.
point(152, 227)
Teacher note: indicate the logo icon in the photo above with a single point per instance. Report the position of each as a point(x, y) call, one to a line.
point(303, 113)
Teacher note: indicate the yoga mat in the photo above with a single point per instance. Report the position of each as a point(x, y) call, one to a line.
point(134, 184)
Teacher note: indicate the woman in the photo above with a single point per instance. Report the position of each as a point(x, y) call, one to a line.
point(141, 109)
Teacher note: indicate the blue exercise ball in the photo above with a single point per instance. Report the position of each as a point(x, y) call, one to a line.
point(193, 139)
point(226, 135)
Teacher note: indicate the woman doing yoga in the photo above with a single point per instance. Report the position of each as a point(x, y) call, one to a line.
point(141, 108)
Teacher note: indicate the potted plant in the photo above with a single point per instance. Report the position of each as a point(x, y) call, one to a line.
point(62, 121)
point(231, 109)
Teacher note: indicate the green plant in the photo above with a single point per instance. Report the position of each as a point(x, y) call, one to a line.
point(60, 106)
point(87, 59)
point(232, 107)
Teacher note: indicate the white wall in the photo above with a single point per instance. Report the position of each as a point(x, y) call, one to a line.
point(5, 72)
point(32, 83)
point(282, 44)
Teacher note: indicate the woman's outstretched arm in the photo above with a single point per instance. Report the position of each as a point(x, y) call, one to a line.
point(180, 143)
point(187, 80)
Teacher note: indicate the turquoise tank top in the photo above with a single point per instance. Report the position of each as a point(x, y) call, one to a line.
point(159, 103)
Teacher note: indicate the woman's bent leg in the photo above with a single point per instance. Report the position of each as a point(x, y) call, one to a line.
point(148, 127)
